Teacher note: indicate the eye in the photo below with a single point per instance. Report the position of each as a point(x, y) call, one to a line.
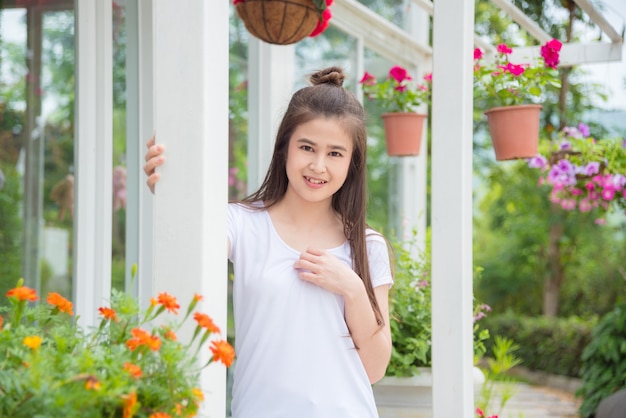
point(306, 148)
point(335, 154)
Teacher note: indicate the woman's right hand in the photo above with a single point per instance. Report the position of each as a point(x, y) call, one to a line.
point(154, 158)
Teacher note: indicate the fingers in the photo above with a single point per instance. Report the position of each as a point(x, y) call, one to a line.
point(150, 142)
point(152, 180)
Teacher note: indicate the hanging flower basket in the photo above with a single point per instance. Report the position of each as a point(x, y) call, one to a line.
point(283, 22)
point(514, 131)
point(403, 133)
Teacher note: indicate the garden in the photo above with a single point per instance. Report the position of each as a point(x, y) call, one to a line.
point(549, 223)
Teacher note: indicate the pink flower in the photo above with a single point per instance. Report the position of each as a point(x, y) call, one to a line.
point(323, 23)
point(399, 74)
point(550, 53)
point(478, 53)
point(504, 49)
point(368, 79)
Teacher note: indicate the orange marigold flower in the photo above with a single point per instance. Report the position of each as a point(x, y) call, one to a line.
point(160, 415)
point(170, 335)
point(108, 313)
point(133, 369)
point(198, 394)
point(132, 344)
point(92, 383)
point(60, 302)
point(130, 401)
point(197, 297)
point(223, 351)
point(179, 409)
point(142, 337)
point(205, 321)
point(154, 343)
point(33, 341)
point(23, 293)
point(169, 302)
point(1, 322)
point(153, 302)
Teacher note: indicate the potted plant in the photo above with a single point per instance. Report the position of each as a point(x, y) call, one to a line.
point(406, 389)
point(584, 173)
point(128, 366)
point(284, 22)
point(516, 89)
point(400, 98)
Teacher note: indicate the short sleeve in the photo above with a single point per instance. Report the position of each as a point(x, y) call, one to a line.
point(379, 260)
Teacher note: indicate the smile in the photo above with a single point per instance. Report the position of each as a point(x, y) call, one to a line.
point(315, 181)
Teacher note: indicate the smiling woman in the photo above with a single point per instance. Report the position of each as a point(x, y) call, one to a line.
point(302, 239)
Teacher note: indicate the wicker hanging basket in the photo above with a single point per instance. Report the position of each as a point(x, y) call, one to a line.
point(279, 22)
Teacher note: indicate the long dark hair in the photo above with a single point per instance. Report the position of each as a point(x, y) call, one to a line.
point(326, 98)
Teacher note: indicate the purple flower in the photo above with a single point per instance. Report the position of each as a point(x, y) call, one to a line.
point(583, 129)
point(538, 161)
point(570, 131)
point(562, 174)
point(591, 168)
point(565, 145)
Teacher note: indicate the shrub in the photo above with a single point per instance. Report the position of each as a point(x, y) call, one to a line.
point(551, 345)
point(604, 361)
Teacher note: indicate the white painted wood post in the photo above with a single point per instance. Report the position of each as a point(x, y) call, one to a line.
point(191, 119)
point(452, 354)
point(93, 157)
point(271, 70)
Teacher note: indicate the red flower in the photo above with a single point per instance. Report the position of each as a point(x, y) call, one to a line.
point(323, 22)
point(478, 53)
point(236, 2)
point(368, 79)
point(550, 52)
point(504, 49)
point(399, 74)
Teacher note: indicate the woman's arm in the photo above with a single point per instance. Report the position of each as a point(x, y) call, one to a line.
point(372, 340)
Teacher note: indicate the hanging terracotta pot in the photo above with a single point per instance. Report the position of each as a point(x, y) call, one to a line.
point(514, 131)
point(279, 22)
point(403, 133)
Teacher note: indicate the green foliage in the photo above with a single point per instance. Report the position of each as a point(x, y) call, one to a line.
point(603, 370)
point(411, 311)
point(49, 363)
point(10, 228)
point(551, 345)
point(503, 360)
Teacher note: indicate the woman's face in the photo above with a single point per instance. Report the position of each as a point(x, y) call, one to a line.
point(318, 159)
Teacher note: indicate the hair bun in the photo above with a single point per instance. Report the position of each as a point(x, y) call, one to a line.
point(330, 75)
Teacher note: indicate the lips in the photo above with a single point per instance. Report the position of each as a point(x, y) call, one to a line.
point(315, 181)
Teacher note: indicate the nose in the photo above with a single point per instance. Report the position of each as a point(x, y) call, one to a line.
point(318, 164)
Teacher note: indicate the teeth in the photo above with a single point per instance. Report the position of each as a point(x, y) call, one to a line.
point(315, 181)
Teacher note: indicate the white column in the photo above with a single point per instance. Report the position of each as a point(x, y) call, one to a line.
point(452, 209)
point(191, 120)
point(93, 158)
point(413, 170)
point(139, 127)
point(271, 70)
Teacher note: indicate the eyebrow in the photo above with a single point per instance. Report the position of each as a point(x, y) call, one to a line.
point(333, 147)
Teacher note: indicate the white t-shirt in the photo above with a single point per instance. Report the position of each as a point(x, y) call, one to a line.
point(295, 357)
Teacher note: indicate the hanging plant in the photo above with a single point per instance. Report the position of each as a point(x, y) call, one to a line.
point(284, 22)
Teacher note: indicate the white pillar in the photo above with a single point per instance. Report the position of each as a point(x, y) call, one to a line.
point(452, 354)
point(93, 157)
point(413, 170)
point(271, 70)
point(191, 120)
